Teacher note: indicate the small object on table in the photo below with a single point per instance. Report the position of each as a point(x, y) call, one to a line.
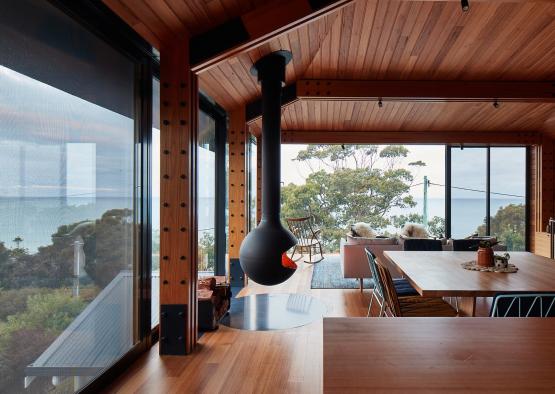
point(484, 256)
point(502, 261)
point(473, 266)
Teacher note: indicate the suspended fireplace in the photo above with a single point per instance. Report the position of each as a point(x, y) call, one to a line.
point(262, 254)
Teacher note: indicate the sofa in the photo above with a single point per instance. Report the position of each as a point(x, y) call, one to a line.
point(354, 262)
point(214, 296)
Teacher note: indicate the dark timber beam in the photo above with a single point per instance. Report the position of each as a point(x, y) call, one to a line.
point(253, 110)
point(410, 137)
point(255, 28)
point(428, 91)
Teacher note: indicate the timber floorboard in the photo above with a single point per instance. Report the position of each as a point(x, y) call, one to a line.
point(235, 361)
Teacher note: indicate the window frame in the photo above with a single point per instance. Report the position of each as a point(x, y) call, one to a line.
point(101, 21)
point(448, 187)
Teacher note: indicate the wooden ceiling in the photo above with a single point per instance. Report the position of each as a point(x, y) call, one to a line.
point(501, 40)
point(321, 115)
point(435, 40)
point(160, 20)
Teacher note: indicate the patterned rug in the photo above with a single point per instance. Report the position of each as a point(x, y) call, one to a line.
point(327, 274)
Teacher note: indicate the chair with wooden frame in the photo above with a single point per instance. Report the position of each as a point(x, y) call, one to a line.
point(402, 287)
point(307, 238)
point(412, 306)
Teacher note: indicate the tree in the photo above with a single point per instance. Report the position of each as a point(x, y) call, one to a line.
point(352, 183)
point(509, 226)
point(435, 226)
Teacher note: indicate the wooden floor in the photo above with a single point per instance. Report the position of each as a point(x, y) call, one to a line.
point(233, 361)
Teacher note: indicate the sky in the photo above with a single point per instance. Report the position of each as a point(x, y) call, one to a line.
point(469, 169)
point(433, 155)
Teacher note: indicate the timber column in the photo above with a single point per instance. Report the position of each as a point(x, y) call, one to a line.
point(237, 138)
point(178, 190)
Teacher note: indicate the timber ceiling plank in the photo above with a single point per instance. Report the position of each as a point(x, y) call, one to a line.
point(501, 40)
point(407, 116)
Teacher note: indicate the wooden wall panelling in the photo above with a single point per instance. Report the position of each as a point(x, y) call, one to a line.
point(546, 184)
point(237, 137)
point(178, 238)
point(533, 153)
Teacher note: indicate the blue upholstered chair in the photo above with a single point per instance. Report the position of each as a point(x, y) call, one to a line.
point(402, 286)
point(422, 244)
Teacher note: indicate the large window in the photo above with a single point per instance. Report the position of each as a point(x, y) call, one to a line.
point(252, 184)
point(206, 194)
point(155, 193)
point(488, 194)
point(68, 201)
point(468, 191)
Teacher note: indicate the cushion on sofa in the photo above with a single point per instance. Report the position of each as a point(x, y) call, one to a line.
point(363, 230)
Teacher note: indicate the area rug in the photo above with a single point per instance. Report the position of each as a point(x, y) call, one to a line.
point(327, 274)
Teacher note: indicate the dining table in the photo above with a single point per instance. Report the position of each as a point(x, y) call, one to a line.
point(440, 274)
point(439, 355)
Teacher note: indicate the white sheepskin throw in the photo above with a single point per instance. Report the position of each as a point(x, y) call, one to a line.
point(363, 230)
point(414, 230)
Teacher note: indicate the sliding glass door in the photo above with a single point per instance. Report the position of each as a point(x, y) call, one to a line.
point(488, 193)
point(71, 202)
point(469, 183)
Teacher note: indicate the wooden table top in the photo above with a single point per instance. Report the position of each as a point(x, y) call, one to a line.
point(439, 274)
point(439, 355)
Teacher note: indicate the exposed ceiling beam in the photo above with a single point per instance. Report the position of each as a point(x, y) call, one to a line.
point(256, 28)
point(254, 109)
point(410, 137)
point(428, 91)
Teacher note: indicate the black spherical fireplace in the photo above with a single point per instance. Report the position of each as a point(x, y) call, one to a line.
point(262, 254)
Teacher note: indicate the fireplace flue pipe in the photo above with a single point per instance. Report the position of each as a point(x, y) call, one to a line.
point(262, 249)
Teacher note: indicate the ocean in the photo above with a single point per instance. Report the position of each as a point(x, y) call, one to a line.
point(36, 219)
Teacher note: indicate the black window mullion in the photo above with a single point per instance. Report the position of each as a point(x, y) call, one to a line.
point(448, 191)
point(488, 192)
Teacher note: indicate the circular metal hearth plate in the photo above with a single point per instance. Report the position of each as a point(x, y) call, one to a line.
point(263, 312)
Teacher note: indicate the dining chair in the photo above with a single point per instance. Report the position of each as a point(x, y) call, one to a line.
point(411, 306)
point(465, 245)
point(402, 287)
point(424, 244)
point(524, 305)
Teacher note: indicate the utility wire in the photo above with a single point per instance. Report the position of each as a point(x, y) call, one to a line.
point(477, 190)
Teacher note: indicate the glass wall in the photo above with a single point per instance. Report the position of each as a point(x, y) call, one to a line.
point(468, 191)
point(489, 183)
point(252, 195)
point(67, 204)
point(206, 194)
point(508, 196)
point(155, 192)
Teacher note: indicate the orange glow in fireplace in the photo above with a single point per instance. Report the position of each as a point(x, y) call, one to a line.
point(287, 262)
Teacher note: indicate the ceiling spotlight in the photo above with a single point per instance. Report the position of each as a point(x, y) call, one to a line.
point(495, 104)
point(380, 103)
point(465, 5)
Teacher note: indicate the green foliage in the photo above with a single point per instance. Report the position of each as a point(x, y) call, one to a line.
point(15, 300)
point(436, 226)
point(354, 183)
point(108, 249)
point(207, 252)
point(25, 335)
point(509, 226)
